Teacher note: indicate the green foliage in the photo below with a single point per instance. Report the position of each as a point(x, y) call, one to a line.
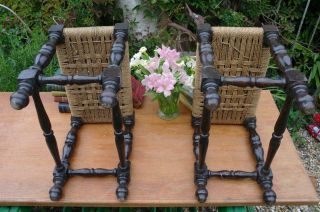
point(307, 62)
point(289, 17)
point(18, 47)
point(43, 13)
point(216, 12)
point(232, 18)
point(151, 42)
point(296, 119)
point(17, 52)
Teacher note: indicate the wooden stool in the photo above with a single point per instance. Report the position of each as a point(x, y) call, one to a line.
point(231, 67)
point(95, 66)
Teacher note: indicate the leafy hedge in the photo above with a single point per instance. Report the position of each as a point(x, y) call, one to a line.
point(18, 46)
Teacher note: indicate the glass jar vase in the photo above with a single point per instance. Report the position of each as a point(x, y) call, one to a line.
point(169, 106)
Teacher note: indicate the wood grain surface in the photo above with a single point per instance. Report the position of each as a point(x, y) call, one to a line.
point(162, 161)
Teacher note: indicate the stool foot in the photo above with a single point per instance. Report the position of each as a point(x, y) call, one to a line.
point(123, 177)
point(59, 179)
point(265, 180)
point(122, 192)
point(201, 194)
point(269, 197)
point(200, 179)
point(55, 193)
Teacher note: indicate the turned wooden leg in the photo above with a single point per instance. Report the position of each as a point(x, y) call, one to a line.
point(196, 122)
point(46, 128)
point(264, 179)
point(251, 125)
point(123, 171)
point(76, 123)
point(59, 170)
point(128, 124)
point(265, 173)
point(60, 177)
point(201, 172)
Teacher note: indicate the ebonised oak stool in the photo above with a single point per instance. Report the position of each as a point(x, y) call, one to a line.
point(96, 74)
point(231, 67)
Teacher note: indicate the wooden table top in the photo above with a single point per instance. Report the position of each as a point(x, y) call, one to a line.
point(162, 161)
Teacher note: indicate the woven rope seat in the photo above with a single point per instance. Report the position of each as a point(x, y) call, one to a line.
point(86, 52)
point(238, 51)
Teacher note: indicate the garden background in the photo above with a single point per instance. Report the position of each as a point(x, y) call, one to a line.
point(24, 24)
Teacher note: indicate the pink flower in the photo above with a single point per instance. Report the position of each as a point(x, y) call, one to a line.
point(171, 55)
point(166, 84)
point(151, 81)
point(166, 67)
point(153, 65)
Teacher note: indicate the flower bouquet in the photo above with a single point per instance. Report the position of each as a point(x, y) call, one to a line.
point(163, 76)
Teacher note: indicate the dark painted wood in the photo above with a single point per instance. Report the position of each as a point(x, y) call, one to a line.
point(28, 78)
point(92, 172)
point(200, 165)
point(68, 79)
point(128, 122)
point(295, 86)
point(210, 87)
point(111, 75)
point(204, 136)
point(123, 177)
point(200, 179)
point(119, 138)
point(263, 178)
point(250, 124)
point(196, 123)
point(111, 85)
point(296, 81)
point(60, 177)
point(259, 82)
point(277, 135)
point(46, 128)
point(230, 174)
point(32, 78)
point(211, 79)
point(76, 123)
point(123, 172)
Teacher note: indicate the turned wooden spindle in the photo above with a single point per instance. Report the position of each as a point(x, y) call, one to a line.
point(111, 75)
point(28, 78)
point(296, 81)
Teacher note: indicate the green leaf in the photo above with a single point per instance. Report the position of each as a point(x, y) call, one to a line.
point(314, 72)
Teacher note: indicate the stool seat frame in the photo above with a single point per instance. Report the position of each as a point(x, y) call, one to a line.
point(293, 82)
point(30, 81)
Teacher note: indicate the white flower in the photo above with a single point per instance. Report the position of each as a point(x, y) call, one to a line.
point(181, 64)
point(142, 49)
point(137, 55)
point(189, 81)
point(142, 62)
point(191, 64)
point(135, 62)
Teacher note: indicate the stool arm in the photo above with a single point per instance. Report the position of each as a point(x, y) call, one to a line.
point(296, 81)
point(211, 78)
point(111, 76)
point(28, 78)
